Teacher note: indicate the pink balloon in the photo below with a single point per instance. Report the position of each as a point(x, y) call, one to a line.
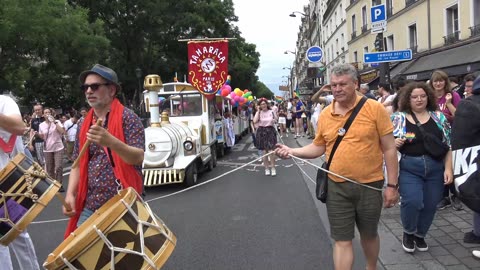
point(242, 99)
point(228, 88)
point(232, 102)
point(236, 98)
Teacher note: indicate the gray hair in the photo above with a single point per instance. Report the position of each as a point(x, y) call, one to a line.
point(345, 69)
point(364, 86)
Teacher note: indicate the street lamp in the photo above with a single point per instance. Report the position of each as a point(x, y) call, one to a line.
point(301, 13)
point(287, 52)
point(287, 67)
point(138, 74)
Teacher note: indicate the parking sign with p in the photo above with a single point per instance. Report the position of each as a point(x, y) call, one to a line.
point(378, 13)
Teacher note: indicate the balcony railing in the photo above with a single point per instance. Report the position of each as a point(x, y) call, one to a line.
point(409, 2)
point(364, 28)
point(475, 30)
point(452, 38)
point(354, 34)
point(414, 48)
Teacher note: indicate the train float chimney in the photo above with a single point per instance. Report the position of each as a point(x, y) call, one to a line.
point(153, 84)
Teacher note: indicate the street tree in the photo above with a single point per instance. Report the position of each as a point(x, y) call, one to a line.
point(44, 45)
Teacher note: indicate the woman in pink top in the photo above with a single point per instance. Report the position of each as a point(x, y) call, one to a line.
point(447, 102)
point(266, 136)
point(51, 131)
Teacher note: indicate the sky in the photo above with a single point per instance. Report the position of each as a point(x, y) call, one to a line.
point(267, 24)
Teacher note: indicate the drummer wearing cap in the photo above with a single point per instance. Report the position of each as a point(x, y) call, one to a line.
point(11, 130)
point(115, 151)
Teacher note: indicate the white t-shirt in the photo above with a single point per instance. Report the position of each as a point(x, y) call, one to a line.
point(9, 107)
point(71, 130)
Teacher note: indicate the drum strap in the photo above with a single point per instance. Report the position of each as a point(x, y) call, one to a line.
point(7, 147)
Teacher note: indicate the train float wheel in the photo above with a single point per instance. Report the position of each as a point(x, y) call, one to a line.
point(191, 174)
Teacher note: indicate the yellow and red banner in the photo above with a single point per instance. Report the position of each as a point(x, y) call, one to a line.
point(208, 65)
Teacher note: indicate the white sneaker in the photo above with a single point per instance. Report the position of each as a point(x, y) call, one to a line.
point(476, 254)
point(267, 172)
point(274, 172)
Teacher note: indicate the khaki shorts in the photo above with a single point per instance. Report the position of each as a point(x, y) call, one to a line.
point(349, 204)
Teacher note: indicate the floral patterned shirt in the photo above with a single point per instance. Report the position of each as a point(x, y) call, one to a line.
point(101, 178)
point(400, 128)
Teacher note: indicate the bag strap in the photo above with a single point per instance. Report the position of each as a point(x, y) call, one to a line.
point(345, 128)
point(419, 125)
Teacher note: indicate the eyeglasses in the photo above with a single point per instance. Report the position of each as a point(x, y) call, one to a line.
point(419, 96)
point(93, 86)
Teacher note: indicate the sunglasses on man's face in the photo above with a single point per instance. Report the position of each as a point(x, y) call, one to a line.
point(93, 86)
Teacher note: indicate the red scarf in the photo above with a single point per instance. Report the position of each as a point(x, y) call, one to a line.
point(128, 175)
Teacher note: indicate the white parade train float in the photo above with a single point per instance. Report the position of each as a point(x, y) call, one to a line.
point(185, 134)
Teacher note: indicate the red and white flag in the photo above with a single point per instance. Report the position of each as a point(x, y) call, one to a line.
point(208, 65)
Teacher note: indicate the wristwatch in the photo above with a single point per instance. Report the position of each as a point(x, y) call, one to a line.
point(395, 186)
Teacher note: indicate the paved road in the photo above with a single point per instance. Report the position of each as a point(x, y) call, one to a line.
point(241, 221)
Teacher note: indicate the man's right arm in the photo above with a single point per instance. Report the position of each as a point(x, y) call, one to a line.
point(71, 195)
point(310, 151)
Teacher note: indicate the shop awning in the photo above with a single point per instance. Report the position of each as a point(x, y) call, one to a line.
point(456, 61)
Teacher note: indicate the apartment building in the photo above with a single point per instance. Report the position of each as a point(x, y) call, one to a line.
point(334, 33)
point(305, 75)
point(442, 34)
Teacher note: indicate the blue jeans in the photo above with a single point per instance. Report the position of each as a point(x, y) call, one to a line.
point(86, 213)
point(421, 189)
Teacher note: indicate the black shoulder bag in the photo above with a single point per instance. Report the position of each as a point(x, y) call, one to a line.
point(433, 145)
point(321, 188)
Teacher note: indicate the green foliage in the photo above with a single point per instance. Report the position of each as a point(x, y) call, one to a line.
point(44, 45)
point(42, 54)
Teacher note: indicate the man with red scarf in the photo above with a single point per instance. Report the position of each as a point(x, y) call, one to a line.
point(115, 155)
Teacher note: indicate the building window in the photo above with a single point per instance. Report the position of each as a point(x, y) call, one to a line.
point(342, 42)
point(475, 29)
point(365, 49)
point(335, 19)
point(354, 27)
point(376, 2)
point(453, 32)
point(412, 37)
point(389, 7)
point(364, 16)
point(390, 43)
point(341, 12)
point(355, 57)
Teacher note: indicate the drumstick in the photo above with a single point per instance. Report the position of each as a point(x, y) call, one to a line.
point(84, 148)
point(62, 199)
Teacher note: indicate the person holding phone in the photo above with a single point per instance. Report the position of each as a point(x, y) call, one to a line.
point(51, 131)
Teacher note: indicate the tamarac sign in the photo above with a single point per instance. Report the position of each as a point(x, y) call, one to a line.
point(208, 65)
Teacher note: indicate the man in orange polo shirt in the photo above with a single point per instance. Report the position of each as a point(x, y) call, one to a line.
point(359, 157)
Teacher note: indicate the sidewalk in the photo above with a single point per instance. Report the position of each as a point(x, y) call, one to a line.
point(445, 240)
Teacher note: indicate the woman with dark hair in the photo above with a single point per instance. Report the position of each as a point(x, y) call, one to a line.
point(447, 102)
point(421, 177)
point(266, 136)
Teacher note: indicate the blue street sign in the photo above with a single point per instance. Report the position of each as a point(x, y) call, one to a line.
point(377, 13)
point(314, 54)
point(388, 56)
